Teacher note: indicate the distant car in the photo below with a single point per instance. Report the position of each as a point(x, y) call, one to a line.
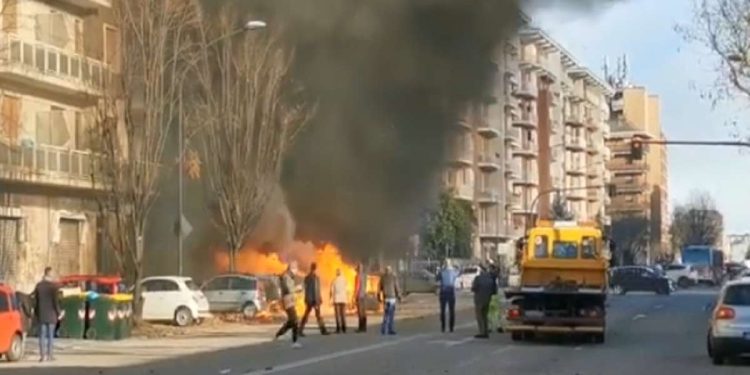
point(638, 279)
point(729, 327)
point(422, 281)
point(467, 276)
point(235, 293)
point(11, 325)
point(173, 298)
point(682, 274)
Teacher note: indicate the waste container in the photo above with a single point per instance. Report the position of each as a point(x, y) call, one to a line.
point(123, 325)
point(73, 316)
point(102, 318)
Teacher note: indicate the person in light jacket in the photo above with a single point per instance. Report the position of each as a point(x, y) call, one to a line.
point(389, 294)
point(446, 279)
point(339, 298)
point(289, 302)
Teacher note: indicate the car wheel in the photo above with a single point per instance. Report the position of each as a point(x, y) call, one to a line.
point(15, 353)
point(683, 282)
point(183, 317)
point(249, 310)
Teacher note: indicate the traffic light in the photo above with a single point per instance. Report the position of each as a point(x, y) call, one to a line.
point(636, 149)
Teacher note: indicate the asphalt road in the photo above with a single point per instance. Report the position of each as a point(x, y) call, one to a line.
point(647, 334)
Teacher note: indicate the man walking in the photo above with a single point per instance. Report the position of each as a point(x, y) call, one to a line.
point(389, 294)
point(288, 301)
point(313, 300)
point(47, 312)
point(447, 289)
point(339, 298)
point(484, 287)
point(360, 297)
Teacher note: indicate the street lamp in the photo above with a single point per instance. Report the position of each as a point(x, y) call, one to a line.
point(252, 25)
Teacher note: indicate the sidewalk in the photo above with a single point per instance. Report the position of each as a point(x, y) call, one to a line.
point(134, 351)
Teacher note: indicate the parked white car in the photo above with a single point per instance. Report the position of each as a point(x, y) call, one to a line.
point(173, 298)
point(681, 274)
point(467, 276)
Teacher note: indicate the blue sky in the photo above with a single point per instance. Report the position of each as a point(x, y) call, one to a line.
point(677, 71)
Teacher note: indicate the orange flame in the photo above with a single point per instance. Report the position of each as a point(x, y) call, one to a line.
point(327, 257)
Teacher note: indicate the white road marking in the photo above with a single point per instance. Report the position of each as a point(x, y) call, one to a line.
point(328, 357)
point(225, 371)
point(639, 316)
point(459, 342)
point(477, 358)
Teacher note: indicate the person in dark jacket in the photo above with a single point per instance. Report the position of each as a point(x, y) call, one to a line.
point(389, 294)
point(484, 287)
point(313, 300)
point(360, 297)
point(27, 311)
point(47, 312)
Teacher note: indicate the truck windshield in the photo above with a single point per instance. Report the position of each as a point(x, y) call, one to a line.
point(588, 248)
point(540, 247)
point(565, 250)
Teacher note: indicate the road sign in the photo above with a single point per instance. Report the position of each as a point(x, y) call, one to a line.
point(182, 227)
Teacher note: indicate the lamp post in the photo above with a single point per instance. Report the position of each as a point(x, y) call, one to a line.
point(251, 25)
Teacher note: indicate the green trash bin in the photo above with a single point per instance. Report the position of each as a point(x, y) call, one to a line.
point(123, 326)
point(102, 318)
point(73, 316)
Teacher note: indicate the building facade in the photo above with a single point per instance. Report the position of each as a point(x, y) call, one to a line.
point(640, 208)
point(54, 58)
point(539, 134)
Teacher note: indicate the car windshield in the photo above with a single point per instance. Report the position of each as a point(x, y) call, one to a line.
point(737, 295)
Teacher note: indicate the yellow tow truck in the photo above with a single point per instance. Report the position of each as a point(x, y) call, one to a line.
point(563, 282)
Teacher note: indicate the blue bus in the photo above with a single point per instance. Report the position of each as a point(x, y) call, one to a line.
point(707, 261)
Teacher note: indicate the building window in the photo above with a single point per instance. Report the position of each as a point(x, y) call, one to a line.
point(112, 47)
point(10, 16)
point(11, 118)
point(630, 199)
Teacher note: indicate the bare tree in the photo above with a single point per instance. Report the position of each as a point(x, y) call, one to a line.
point(697, 222)
point(723, 27)
point(631, 236)
point(132, 121)
point(248, 109)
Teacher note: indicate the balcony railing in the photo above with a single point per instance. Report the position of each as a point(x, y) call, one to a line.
point(574, 142)
point(47, 165)
point(488, 162)
point(49, 65)
point(492, 229)
point(488, 195)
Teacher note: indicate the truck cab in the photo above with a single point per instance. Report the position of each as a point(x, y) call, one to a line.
point(563, 281)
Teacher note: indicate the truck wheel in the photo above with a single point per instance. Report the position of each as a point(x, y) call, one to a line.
point(516, 336)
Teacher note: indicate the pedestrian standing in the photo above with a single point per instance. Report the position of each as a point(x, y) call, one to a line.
point(447, 290)
point(389, 294)
point(484, 287)
point(289, 303)
point(27, 312)
point(47, 313)
point(339, 298)
point(313, 300)
point(360, 297)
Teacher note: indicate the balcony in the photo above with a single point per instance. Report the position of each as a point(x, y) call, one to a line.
point(461, 158)
point(512, 136)
point(488, 131)
point(627, 207)
point(574, 143)
point(88, 4)
point(488, 196)
point(626, 168)
point(575, 170)
point(574, 119)
point(494, 230)
point(526, 120)
point(631, 187)
point(526, 150)
point(47, 165)
point(593, 195)
point(577, 194)
point(526, 178)
point(592, 147)
point(512, 169)
point(527, 90)
point(488, 163)
point(49, 68)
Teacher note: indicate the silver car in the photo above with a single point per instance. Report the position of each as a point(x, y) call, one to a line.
point(235, 293)
point(729, 330)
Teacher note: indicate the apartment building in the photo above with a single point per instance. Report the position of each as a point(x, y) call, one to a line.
point(541, 130)
point(53, 59)
point(641, 185)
